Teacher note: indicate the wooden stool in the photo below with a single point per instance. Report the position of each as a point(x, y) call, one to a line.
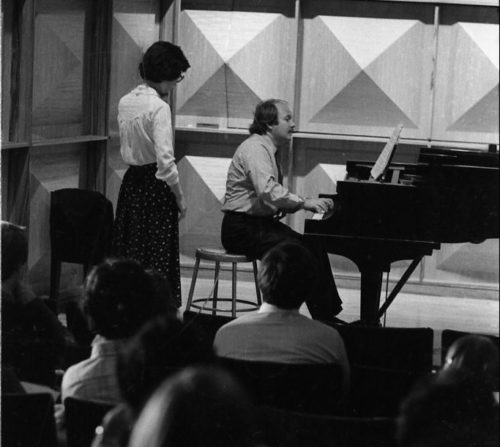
point(219, 255)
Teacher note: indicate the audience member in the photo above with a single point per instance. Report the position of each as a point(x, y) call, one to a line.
point(448, 410)
point(278, 332)
point(118, 298)
point(33, 339)
point(197, 407)
point(162, 347)
point(475, 356)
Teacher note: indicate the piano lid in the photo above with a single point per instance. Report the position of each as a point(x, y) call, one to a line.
point(456, 156)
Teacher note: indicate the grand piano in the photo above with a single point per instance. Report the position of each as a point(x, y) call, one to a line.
point(447, 196)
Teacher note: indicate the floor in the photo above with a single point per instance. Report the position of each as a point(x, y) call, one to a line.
point(408, 309)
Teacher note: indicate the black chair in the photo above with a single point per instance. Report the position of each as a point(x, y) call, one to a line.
point(10, 381)
point(82, 417)
point(292, 429)
point(449, 336)
point(389, 347)
point(379, 391)
point(209, 324)
point(28, 420)
point(81, 223)
point(312, 388)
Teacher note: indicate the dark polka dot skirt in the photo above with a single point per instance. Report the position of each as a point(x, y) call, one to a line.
point(146, 226)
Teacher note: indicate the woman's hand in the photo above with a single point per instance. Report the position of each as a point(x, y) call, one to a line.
point(181, 204)
point(179, 199)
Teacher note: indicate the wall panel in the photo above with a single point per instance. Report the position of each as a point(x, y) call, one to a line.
point(136, 25)
point(465, 264)
point(238, 58)
point(58, 79)
point(365, 68)
point(466, 106)
point(203, 181)
point(8, 29)
point(204, 161)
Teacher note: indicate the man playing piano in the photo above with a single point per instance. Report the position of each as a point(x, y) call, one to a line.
point(255, 200)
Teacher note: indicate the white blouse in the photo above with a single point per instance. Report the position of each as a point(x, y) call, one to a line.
point(145, 126)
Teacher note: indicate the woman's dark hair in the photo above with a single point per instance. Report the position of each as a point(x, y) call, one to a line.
point(14, 249)
point(161, 348)
point(163, 61)
point(118, 297)
point(286, 275)
point(197, 407)
point(265, 115)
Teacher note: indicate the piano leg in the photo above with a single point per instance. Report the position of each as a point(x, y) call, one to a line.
point(371, 284)
point(402, 281)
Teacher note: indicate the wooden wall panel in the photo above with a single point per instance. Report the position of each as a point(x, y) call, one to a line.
point(7, 37)
point(466, 106)
point(15, 190)
point(58, 78)
point(136, 25)
point(17, 70)
point(465, 264)
point(204, 159)
point(237, 58)
point(203, 181)
point(366, 68)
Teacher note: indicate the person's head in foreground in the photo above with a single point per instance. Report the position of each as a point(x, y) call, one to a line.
point(196, 407)
point(475, 356)
point(448, 410)
point(161, 348)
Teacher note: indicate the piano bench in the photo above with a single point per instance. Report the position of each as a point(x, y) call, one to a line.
point(219, 255)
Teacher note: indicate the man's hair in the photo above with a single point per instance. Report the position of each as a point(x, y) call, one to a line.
point(163, 61)
point(14, 249)
point(118, 297)
point(476, 356)
point(265, 115)
point(287, 275)
point(161, 348)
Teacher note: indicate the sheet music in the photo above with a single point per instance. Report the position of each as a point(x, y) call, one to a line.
point(385, 157)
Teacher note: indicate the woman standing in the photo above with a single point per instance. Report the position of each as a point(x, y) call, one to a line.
point(151, 201)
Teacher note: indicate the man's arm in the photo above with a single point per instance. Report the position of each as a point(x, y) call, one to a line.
point(262, 174)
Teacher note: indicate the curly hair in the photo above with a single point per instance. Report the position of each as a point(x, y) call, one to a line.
point(163, 61)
